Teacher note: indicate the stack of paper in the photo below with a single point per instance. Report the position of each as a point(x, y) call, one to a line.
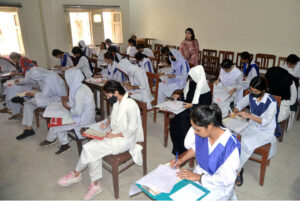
point(237, 124)
point(95, 131)
point(173, 106)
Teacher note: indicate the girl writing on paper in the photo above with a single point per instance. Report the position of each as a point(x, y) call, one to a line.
point(65, 58)
point(131, 49)
point(144, 62)
point(126, 131)
point(216, 150)
point(189, 48)
point(115, 53)
point(282, 83)
point(263, 122)
point(292, 65)
point(138, 81)
point(52, 88)
point(83, 63)
point(177, 79)
point(228, 87)
point(85, 49)
point(250, 69)
point(81, 105)
point(196, 92)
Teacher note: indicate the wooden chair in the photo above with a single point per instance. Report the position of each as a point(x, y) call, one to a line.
point(211, 65)
point(200, 57)
point(94, 63)
point(39, 112)
point(281, 61)
point(153, 80)
point(155, 62)
point(265, 60)
point(148, 46)
point(209, 52)
point(112, 162)
point(158, 47)
point(171, 46)
point(225, 55)
point(238, 62)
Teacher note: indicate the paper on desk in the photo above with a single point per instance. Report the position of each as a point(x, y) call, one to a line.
point(237, 124)
point(55, 109)
point(162, 179)
point(189, 192)
point(95, 81)
point(173, 106)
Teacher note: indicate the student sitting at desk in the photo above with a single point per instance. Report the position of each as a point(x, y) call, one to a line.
point(292, 65)
point(177, 79)
point(102, 51)
point(216, 150)
point(228, 87)
point(144, 62)
point(196, 92)
point(115, 53)
point(22, 63)
point(65, 58)
point(131, 49)
point(138, 80)
point(126, 131)
point(146, 51)
point(81, 106)
point(263, 122)
point(250, 68)
point(52, 88)
point(83, 63)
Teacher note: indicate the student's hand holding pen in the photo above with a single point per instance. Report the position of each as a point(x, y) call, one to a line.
point(175, 164)
point(103, 125)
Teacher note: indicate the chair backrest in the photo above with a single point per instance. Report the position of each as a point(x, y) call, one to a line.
point(149, 46)
point(95, 62)
point(281, 61)
point(153, 80)
point(158, 47)
point(141, 41)
point(225, 55)
point(143, 109)
point(155, 62)
point(238, 62)
point(209, 52)
point(278, 98)
point(265, 60)
point(200, 57)
point(211, 64)
point(171, 46)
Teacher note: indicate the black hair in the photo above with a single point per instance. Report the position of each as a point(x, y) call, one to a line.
point(108, 40)
point(57, 52)
point(258, 83)
point(205, 115)
point(164, 50)
point(104, 44)
point(292, 58)
point(192, 32)
point(111, 86)
point(226, 63)
point(246, 56)
point(109, 55)
point(133, 36)
point(139, 56)
point(132, 41)
point(113, 49)
point(77, 50)
point(140, 46)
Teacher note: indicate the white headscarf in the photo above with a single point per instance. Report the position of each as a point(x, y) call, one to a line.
point(198, 75)
point(49, 78)
point(126, 67)
point(82, 44)
point(179, 58)
point(228, 78)
point(74, 78)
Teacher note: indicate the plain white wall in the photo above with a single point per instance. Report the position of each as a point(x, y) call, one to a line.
point(266, 26)
point(44, 26)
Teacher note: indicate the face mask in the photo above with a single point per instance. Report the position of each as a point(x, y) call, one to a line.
point(173, 59)
point(256, 95)
point(112, 100)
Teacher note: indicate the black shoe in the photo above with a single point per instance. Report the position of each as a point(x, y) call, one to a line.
point(46, 143)
point(63, 149)
point(18, 99)
point(25, 134)
point(239, 180)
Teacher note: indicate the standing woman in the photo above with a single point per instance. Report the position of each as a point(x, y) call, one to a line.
point(217, 153)
point(189, 48)
point(196, 92)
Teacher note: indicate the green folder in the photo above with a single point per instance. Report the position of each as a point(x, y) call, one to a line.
point(178, 186)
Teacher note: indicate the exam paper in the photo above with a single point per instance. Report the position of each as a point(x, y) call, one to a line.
point(237, 124)
point(173, 106)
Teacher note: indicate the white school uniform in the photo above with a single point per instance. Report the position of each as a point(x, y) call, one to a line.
point(148, 52)
point(228, 81)
point(125, 119)
point(137, 77)
point(112, 73)
point(252, 73)
point(6, 67)
point(84, 66)
point(101, 59)
point(81, 101)
point(131, 51)
point(66, 61)
point(285, 110)
point(220, 183)
point(294, 72)
point(52, 88)
point(256, 135)
point(146, 65)
point(180, 68)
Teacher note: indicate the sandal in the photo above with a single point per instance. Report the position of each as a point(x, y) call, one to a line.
point(239, 180)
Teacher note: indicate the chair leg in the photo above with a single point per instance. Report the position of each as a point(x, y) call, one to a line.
point(115, 175)
point(154, 115)
point(37, 119)
point(144, 162)
point(263, 167)
point(79, 146)
point(283, 127)
point(298, 116)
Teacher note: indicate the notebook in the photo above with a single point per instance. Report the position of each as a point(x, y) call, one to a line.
point(95, 131)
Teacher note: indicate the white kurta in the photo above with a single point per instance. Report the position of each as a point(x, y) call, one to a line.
point(125, 119)
point(101, 59)
point(295, 72)
point(131, 51)
point(146, 65)
point(83, 65)
point(285, 110)
point(221, 183)
point(250, 76)
point(148, 52)
point(112, 73)
point(256, 135)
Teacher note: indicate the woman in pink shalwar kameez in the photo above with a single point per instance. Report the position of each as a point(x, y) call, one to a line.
point(189, 48)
